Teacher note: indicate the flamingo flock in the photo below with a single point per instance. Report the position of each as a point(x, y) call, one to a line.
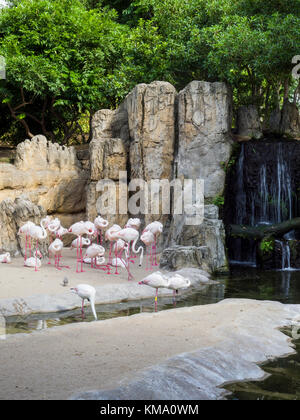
point(126, 246)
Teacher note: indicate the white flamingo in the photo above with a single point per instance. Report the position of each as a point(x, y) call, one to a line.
point(148, 239)
point(131, 236)
point(156, 280)
point(100, 225)
point(92, 253)
point(110, 236)
point(156, 228)
point(5, 258)
point(84, 242)
point(134, 224)
point(39, 234)
point(61, 232)
point(33, 262)
point(86, 292)
point(55, 249)
point(177, 282)
point(79, 229)
point(54, 225)
point(24, 231)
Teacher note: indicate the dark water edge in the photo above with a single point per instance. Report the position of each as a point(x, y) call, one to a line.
point(242, 283)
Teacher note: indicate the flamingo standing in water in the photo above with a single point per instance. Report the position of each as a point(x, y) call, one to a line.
point(39, 234)
point(86, 292)
point(148, 239)
point(156, 280)
point(100, 225)
point(156, 228)
point(177, 282)
point(5, 258)
point(24, 231)
point(79, 229)
point(131, 236)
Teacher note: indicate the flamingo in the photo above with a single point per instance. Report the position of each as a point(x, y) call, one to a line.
point(156, 280)
point(61, 232)
point(55, 249)
point(148, 239)
point(134, 224)
point(84, 242)
point(5, 258)
point(24, 231)
point(93, 252)
point(177, 282)
point(39, 234)
point(85, 291)
point(110, 236)
point(156, 228)
point(79, 229)
point(33, 262)
point(100, 224)
point(131, 235)
point(54, 225)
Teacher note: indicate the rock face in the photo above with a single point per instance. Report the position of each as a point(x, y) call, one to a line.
point(177, 257)
point(204, 125)
point(13, 214)
point(248, 122)
point(50, 175)
point(210, 234)
point(290, 120)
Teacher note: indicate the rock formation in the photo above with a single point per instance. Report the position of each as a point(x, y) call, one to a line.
point(248, 122)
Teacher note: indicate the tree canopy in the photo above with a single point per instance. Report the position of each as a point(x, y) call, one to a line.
point(66, 59)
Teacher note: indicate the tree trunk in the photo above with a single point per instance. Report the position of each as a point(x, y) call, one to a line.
point(258, 233)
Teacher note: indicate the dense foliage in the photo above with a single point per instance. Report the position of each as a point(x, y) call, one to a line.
point(66, 59)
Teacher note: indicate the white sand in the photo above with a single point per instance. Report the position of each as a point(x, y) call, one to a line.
point(228, 339)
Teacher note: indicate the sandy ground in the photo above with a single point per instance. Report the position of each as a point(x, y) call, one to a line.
point(60, 362)
point(19, 281)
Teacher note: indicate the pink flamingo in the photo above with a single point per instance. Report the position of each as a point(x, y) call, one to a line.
point(79, 229)
point(148, 239)
point(39, 234)
point(156, 228)
point(100, 225)
point(84, 242)
point(118, 249)
point(134, 224)
point(131, 236)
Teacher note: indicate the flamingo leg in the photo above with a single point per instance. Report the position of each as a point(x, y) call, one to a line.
point(81, 256)
point(155, 253)
point(77, 255)
point(116, 256)
point(156, 299)
point(174, 298)
point(36, 256)
point(25, 257)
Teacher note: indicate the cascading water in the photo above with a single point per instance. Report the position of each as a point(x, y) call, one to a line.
point(262, 189)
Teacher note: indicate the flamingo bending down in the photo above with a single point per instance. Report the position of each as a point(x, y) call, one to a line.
point(85, 291)
point(24, 231)
point(100, 225)
point(156, 228)
point(131, 236)
point(39, 234)
point(54, 225)
point(92, 253)
point(174, 282)
point(79, 229)
point(5, 258)
point(148, 239)
point(177, 282)
point(134, 224)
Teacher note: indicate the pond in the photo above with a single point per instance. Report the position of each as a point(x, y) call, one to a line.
point(282, 286)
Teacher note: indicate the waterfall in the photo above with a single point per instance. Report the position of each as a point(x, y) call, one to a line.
point(262, 188)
